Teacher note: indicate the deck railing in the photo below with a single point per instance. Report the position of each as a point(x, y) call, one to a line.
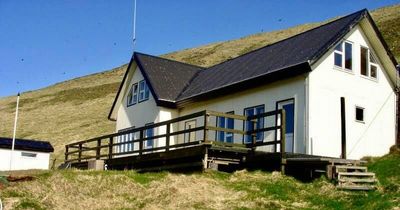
point(174, 134)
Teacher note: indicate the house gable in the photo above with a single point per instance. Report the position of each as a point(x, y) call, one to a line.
point(375, 97)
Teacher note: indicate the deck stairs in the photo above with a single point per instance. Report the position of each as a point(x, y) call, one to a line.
point(353, 177)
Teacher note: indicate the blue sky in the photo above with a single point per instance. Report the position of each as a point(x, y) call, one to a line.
point(45, 42)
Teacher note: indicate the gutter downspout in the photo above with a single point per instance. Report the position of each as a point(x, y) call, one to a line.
point(308, 143)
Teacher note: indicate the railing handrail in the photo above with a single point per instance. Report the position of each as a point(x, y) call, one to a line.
point(79, 147)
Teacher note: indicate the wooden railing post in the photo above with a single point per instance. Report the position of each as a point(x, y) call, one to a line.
point(141, 136)
point(254, 134)
point(98, 149)
point(283, 142)
point(66, 153)
point(283, 132)
point(205, 133)
point(80, 153)
point(167, 138)
point(110, 148)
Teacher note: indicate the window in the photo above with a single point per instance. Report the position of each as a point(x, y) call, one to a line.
point(344, 59)
point(28, 154)
point(143, 91)
point(359, 114)
point(191, 136)
point(149, 133)
point(224, 122)
point(249, 125)
point(128, 147)
point(369, 66)
point(132, 95)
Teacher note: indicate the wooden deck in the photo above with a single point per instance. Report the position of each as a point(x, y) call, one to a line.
point(201, 149)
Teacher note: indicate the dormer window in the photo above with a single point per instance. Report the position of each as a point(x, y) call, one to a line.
point(343, 55)
point(369, 66)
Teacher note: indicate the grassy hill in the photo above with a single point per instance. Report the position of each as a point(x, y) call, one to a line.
point(72, 189)
point(77, 109)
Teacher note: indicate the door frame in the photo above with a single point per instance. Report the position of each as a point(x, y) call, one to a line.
point(294, 118)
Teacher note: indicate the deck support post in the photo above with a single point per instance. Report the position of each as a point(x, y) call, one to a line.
point(205, 160)
point(98, 149)
point(110, 148)
point(66, 153)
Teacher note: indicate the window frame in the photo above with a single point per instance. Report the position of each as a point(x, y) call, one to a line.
point(132, 93)
point(343, 54)
point(369, 64)
point(244, 141)
point(145, 91)
point(127, 147)
point(226, 135)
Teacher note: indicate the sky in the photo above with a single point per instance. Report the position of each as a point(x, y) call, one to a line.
point(45, 42)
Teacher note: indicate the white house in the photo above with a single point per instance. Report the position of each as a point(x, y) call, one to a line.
point(336, 83)
point(27, 154)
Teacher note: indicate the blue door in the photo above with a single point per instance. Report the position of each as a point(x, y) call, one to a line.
point(288, 106)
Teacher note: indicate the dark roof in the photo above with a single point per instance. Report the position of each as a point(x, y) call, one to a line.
point(173, 83)
point(298, 49)
point(25, 144)
point(166, 77)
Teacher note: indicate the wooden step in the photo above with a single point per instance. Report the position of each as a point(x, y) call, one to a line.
point(361, 168)
point(356, 174)
point(356, 187)
point(352, 180)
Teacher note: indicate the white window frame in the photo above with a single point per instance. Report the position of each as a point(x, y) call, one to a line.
point(369, 64)
point(132, 95)
point(343, 55)
point(143, 92)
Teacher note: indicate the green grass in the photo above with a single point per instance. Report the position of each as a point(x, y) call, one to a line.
point(208, 190)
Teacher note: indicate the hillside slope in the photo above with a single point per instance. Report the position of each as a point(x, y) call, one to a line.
point(72, 189)
point(77, 109)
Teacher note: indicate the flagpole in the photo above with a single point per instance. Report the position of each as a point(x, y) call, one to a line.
point(134, 24)
point(15, 131)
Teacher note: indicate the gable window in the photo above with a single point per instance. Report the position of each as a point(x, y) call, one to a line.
point(228, 123)
point(143, 91)
point(132, 95)
point(369, 67)
point(249, 125)
point(359, 114)
point(343, 55)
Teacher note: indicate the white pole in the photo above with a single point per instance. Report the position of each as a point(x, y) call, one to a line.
point(15, 131)
point(134, 24)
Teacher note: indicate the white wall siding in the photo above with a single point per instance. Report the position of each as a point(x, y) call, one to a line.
point(266, 95)
point(19, 162)
point(327, 85)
